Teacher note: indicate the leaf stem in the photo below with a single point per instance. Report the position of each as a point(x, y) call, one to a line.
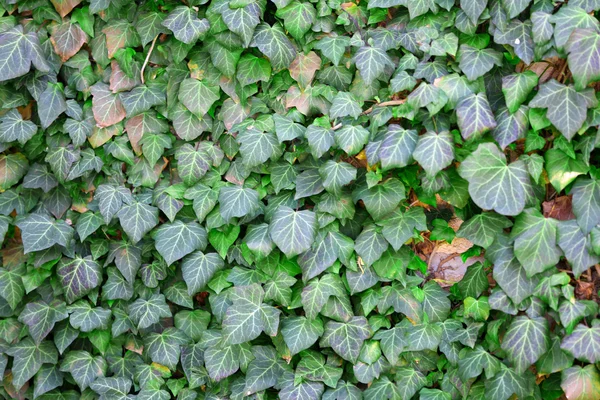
point(147, 58)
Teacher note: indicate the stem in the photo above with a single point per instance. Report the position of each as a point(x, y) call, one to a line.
point(147, 58)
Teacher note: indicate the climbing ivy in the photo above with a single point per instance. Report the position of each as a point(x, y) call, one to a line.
point(299, 199)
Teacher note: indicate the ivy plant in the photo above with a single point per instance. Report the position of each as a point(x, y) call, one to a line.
point(260, 199)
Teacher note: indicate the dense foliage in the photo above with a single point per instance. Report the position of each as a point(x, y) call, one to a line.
point(256, 199)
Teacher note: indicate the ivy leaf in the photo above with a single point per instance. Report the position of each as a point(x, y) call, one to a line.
point(346, 338)
point(12, 168)
point(111, 199)
point(381, 199)
point(164, 348)
point(298, 18)
point(137, 219)
point(483, 228)
point(248, 317)
point(112, 388)
point(434, 151)
point(107, 107)
point(398, 226)
point(371, 62)
point(351, 138)
point(370, 245)
point(583, 343)
point(536, 241)
point(576, 246)
point(334, 47)
point(257, 147)
point(199, 268)
point(67, 38)
point(142, 98)
point(569, 18)
point(293, 231)
point(586, 203)
point(14, 128)
point(149, 25)
point(197, 96)
point(87, 318)
point(41, 317)
point(272, 42)
point(583, 47)
point(11, 288)
point(185, 24)
point(300, 333)
point(84, 367)
point(145, 313)
point(581, 382)
point(511, 126)
point(507, 195)
point(475, 62)
point(317, 293)
point(506, 383)
point(237, 201)
point(567, 108)
point(28, 358)
point(78, 276)
point(18, 51)
point(336, 175)
point(344, 104)
point(526, 340)
point(474, 116)
point(516, 88)
point(40, 232)
point(518, 34)
point(264, 371)
point(178, 239)
point(473, 9)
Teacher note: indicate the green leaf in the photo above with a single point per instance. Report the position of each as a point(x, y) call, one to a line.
point(474, 116)
point(526, 340)
point(567, 108)
point(112, 388)
point(264, 371)
point(28, 358)
point(506, 383)
point(483, 228)
point(569, 18)
point(300, 333)
point(237, 201)
point(536, 241)
point(84, 367)
point(474, 281)
point(292, 231)
point(199, 268)
point(198, 96)
point(248, 317)
point(78, 276)
point(518, 34)
point(381, 199)
point(475, 62)
point(371, 62)
point(18, 51)
point(346, 338)
point(257, 147)
point(508, 194)
point(178, 239)
point(12, 168)
point(586, 203)
point(137, 219)
point(334, 47)
point(272, 42)
point(298, 18)
point(145, 313)
point(434, 151)
point(344, 104)
point(14, 128)
point(562, 169)
point(516, 88)
point(583, 343)
point(398, 226)
point(351, 138)
point(41, 317)
point(86, 319)
point(185, 24)
point(142, 98)
point(164, 348)
point(576, 246)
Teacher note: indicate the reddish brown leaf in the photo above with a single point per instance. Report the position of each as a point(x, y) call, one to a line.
point(119, 81)
point(106, 106)
point(63, 7)
point(559, 208)
point(67, 39)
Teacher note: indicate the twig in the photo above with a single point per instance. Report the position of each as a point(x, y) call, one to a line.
point(370, 109)
point(147, 58)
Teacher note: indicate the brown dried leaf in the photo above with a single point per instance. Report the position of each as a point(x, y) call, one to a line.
point(559, 208)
